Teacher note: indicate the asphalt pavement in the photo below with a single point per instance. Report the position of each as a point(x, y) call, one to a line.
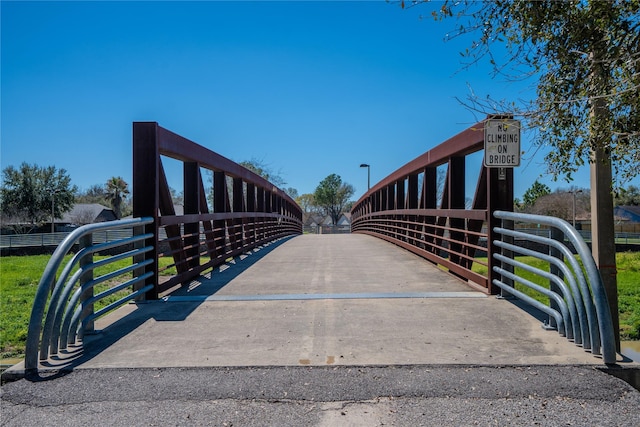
point(417, 395)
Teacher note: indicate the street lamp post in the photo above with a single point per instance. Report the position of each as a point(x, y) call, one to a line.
point(53, 194)
point(364, 165)
point(574, 205)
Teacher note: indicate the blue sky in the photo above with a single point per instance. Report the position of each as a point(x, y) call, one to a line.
point(307, 88)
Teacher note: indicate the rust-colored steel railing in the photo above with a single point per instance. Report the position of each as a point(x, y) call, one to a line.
point(407, 208)
point(239, 211)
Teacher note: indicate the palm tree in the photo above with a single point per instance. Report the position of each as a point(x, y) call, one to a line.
point(116, 191)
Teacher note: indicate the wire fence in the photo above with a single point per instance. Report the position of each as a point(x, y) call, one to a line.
point(54, 239)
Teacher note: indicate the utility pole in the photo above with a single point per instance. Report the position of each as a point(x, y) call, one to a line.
point(602, 230)
point(574, 192)
point(53, 218)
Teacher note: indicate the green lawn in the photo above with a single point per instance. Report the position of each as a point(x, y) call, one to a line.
point(629, 294)
point(19, 277)
point(628, 264)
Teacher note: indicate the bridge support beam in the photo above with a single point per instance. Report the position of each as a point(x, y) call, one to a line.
point(146, 178)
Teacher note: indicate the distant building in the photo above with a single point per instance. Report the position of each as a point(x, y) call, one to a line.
point(312, 223)
point(627, 213)
point(86, 213)
point(345, 220)
point(312, 220)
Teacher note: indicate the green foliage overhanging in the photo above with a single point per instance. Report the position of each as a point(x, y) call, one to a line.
point(584, 57)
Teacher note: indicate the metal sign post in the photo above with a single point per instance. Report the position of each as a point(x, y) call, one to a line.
point(501, 155)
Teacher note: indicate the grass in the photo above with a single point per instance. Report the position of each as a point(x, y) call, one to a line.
point(628, 265)
point(19, 277)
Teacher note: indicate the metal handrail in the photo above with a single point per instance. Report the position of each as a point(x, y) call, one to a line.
point(589, 296)
point(588, 330)
point(409, 208)
point(241, 211)
point(52, 299)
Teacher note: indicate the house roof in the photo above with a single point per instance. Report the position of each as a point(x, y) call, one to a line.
point(629, 213)
point(311, 218)
point(84, 210)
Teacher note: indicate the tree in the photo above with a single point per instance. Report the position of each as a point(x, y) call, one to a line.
point(292, 192)
point(265, 171)
point(348, 206)
point(534, 192)
point(307, 202)
point(176, 196)
point(560, 204)
point(32, 194)
point(332, 196)
point(518, 204)
point(585, 56)
point(94, 194)
point(117, 190)
point(628, 197)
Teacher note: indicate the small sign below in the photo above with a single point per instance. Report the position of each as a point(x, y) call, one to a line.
point(501, 143)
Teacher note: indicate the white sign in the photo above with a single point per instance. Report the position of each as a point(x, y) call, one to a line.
point(501, 143)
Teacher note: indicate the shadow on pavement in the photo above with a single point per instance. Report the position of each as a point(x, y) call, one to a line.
point(159, 311)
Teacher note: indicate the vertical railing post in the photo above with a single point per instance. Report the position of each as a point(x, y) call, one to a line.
point(412, 203)
point(430, 201)
point(508, 225)
point(219, 206)
point(238, 206)
point(251, 207)
point(268, 200)
point(137, 259)
point(499, 198)
point(456, 186)
point(86, 277)
point(401, 227)
point(191, 190)
point(557, 235)
point(387, 201)
point(260, 208)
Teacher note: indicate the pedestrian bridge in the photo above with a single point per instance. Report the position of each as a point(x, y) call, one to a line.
point(231, 280)
point(321, 300)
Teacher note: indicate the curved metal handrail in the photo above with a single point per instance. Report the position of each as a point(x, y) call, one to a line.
point(576, 278)
point(53, 294)
point(593, 294)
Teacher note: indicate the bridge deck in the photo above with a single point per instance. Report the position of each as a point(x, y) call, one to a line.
point(322, 300)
